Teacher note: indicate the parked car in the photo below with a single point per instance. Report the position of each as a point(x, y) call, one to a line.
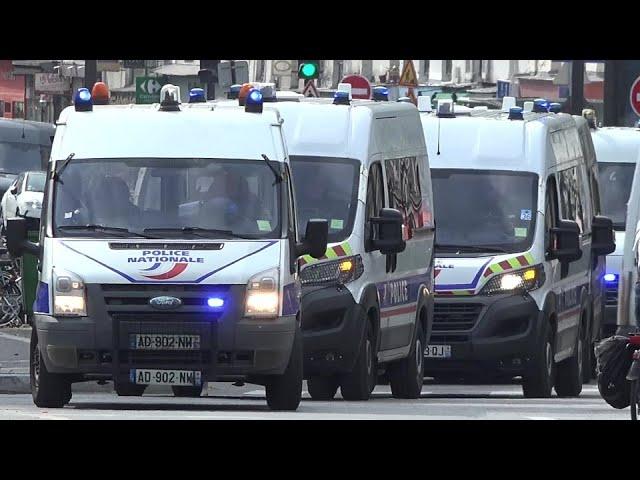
point(23, 197)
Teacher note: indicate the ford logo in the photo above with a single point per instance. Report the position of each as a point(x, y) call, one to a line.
point(165, 303)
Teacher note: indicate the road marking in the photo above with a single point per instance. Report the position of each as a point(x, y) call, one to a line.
point(14, 337)
point(539, 418)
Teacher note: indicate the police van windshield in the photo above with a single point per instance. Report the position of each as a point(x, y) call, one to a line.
point(186, 197)
point(484, 209)
point(326, 188)
point(17, 157)
point(615, 186)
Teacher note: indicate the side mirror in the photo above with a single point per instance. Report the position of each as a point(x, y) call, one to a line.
point(18, 240)
point(603, 236)
point(389, 239)
point(566, 241)
point(315, 239)
point(14, 189)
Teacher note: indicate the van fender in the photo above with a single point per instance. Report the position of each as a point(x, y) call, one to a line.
point(371, 309)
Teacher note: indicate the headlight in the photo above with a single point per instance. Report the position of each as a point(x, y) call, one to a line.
point(340, 271)
point(526, 279)
point(263, 294)
point(34, 204)
point(69, 299)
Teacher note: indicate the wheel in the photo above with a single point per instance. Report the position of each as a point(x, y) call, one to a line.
point(635, 390)
point(127, 389)
point(570, 374)
point(587, 356)
point(49, 390)
point(322, 388)
point(187, 391)
point(359, 383)
point(538, 378)
point(284, 392)
point(407, 375)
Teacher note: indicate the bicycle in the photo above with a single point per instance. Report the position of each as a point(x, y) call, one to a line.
point(634, 376)
point(11, 294)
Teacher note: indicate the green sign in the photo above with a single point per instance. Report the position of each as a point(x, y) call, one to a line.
point(148, 90)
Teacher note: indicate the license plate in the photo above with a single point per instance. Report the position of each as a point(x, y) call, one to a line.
point(153, 341)
point(165, 377)
point(438, 351)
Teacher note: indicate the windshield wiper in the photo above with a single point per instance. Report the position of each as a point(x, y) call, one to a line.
point(276, 173)
point(65, 162)
point(471, 248)
point(103, 228)
point(198, 231)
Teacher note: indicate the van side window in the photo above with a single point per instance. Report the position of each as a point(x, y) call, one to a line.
point(571, 207)
point(550, 212)
point(375, 196)
point(405, 195)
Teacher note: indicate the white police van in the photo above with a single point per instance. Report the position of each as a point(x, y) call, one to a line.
point(165, 257)
point(517, 245)
point(368, 303)
point(617, 150)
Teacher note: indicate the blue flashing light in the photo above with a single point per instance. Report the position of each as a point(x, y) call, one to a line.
point(254, 101)
point(234, 91)
point(610, 277)
point(540, 105)
point(380, 94)
point(341, 98)
point(196, 95)
point(215, 302)
point(515, 113)
point(555, 107)
point(82, 100)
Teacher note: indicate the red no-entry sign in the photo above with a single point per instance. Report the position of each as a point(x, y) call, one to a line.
point(635, 96)
point(360, 86)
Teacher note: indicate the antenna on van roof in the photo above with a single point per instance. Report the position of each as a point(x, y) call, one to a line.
point(23, 120)
point(439, 120)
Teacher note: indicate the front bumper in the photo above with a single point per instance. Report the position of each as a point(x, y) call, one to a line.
point(488, 335)
point(332, 330)
point(99, 343)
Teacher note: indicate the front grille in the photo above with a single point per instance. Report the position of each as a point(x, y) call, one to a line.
point(132, 298)
point(452, 322)
point(611, 293)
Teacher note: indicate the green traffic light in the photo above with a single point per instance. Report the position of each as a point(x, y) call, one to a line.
point(309, 70)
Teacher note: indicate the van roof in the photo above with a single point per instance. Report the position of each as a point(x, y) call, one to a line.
point(123, 131)
point(316, 127)
point(616, 144)
point(38, 133)
point(487, 139)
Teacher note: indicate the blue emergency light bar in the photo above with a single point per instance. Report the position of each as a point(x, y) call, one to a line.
point(254, 101)
point(341, 98)
point(196, 95)
point(380, 94)
point(82, 100)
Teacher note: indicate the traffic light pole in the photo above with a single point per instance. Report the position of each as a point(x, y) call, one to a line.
point(90, 73)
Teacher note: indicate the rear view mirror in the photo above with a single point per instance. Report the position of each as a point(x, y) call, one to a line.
point(18, 240)
point(315, 239)
point(389, 232)
point(603, 236)
point(566, 242)
point(14, 189)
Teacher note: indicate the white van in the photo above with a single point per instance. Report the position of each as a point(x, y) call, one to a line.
point(518, 248)
point(167, 258)
point(363, 166)
point(617, 150)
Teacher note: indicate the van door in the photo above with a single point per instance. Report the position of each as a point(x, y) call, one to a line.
point(575, 276)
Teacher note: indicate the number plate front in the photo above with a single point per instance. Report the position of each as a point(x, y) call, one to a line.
point(438, 351)
point(152, 341)
point(165, 377)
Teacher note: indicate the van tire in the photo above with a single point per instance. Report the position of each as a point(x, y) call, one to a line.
point(569, 372)
point(49, 390)
point(538, 379)
point(284, 392)
point(186, 391)
point(127, 389)
point(360, 382)
point(322, 388)
point(407, 375)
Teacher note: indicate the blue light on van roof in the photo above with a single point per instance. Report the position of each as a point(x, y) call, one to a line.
point(380, 94)
point(82, 100)
point(610, 277)
point(555, 107)
point(254, 101)
point(215, 302)
point(515, 113)
point(341, 98)
point(196, 95)
point(234, 91)
point(540, 105)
